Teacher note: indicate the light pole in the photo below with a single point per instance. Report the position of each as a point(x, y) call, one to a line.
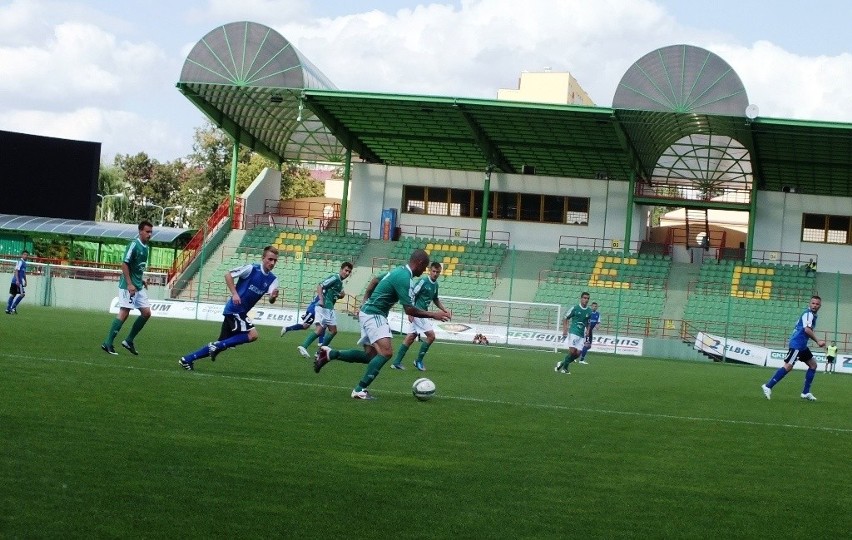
point(103, 199)
point(163, 216)
point(163, 210)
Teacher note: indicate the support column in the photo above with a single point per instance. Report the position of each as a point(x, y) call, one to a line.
point(344, 204)
point(486, 199)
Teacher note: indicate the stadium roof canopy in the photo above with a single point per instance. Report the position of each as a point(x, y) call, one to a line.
point(89, 230)
point(255, 85)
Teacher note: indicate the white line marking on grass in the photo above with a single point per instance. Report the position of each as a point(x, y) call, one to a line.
point(181, 372)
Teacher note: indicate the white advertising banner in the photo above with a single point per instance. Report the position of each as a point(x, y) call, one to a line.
point(213, 312)
point(500, 335)
point(842, 363)
point(762, 356)
point(448, 331)
point(731, 348)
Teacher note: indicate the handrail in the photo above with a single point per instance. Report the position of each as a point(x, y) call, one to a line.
point(193, 247)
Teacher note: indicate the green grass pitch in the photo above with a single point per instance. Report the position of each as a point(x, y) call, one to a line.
point(258, 445)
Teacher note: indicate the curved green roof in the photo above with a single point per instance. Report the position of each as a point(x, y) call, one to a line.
point(671, 95)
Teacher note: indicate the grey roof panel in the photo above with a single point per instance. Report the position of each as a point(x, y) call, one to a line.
point(96, 230)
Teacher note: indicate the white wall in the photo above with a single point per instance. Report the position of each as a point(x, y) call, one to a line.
point(778, 227)
point(267, 185)
point(375, 187)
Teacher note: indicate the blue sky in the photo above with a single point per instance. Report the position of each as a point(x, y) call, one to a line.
point(105, 71)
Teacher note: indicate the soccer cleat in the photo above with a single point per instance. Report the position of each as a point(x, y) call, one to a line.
point(303, 351)
point(398, 366)
point(185, 364)
point(8, 312)
point(419, 365)
point(363, 394)
point(582, 362)
point(214, 351)
point(109, 349)
point(14, 311)
point(809, 397)
point(129, 346)
point(322, 358)
point(283, 330)
point(768, 392)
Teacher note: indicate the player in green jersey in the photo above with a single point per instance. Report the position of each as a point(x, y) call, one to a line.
point(329, 291)
point(579, 317)
point(382, 294)
point(425, 293)
point(132, 290)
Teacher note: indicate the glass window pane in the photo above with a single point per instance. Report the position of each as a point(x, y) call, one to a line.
point(477, 204)
point(414, 199)
point(460, 202)
point(553, 207)
point(530, 207)
point(813, 221)
point(438, 205)
point(506, 206)
point(838, 229)
point(578, 211)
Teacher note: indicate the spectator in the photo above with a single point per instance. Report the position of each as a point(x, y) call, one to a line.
point(830, 355)
point(811, 266)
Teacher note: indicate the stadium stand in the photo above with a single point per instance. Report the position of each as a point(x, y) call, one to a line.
point(470, 270)
point(305, 258)
point(629, 289)
point(727, 290)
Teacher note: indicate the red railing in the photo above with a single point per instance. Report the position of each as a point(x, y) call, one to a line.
point(193, 247)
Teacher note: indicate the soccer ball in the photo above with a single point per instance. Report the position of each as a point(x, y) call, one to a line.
point(423, 389)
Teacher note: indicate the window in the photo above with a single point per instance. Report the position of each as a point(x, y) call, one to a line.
point(530, 207)
point(838, 230)
point(826, 229)
point(460, 202)
point(438, 202)
point(578, 211)
point(414, 200)
point(505, 205)
point(552, 209)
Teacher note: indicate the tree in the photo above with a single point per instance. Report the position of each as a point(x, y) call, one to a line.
point(296, 182)
point(111, 182)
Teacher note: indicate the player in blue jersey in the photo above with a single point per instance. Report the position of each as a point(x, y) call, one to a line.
point(252, 282)
point(799, 350)
point(383, 292)
point(307, 318)
point(594, 320)
point(17, 290)
point(330, 290)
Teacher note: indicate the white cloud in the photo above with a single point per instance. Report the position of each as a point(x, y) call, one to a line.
point(786, 85)
point(119, 132)
point(225, 11)
point(101, 71)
